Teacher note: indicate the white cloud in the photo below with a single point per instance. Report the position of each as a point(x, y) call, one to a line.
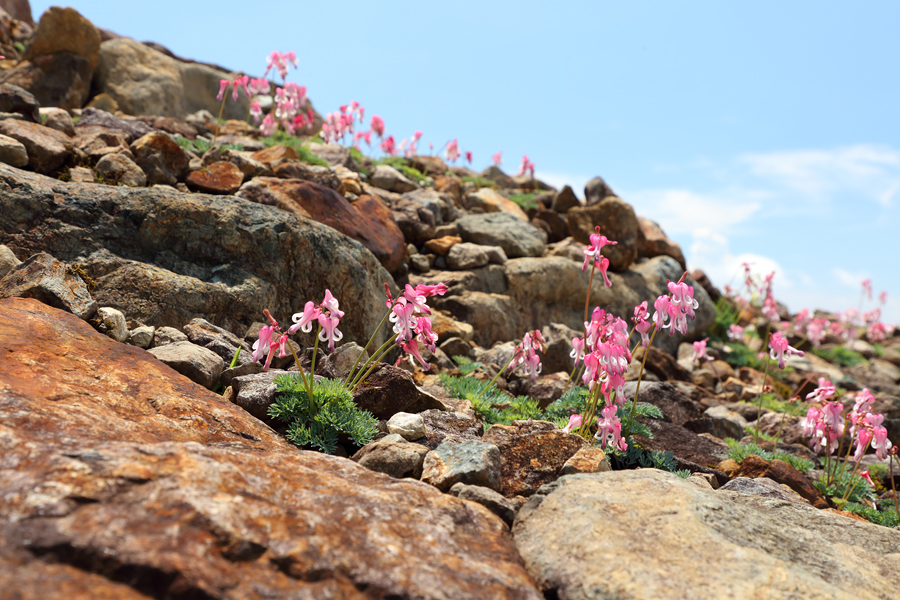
point(710, 251)
point(850, 279)
point(683, 211)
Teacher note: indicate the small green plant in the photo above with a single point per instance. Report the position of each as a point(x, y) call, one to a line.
point(886, 517)
point(302, 147)
point(846, 486)
point(726, 316)
point(878, 349)
point(525, 201)
point(635, 457)
point(742, 356)
point(772, 402)
point(479, 181)
point(466, 365)
point(738, 452)
point(20, 47)
point(495, 406)
point(321, 423)
point(414, 174)
point(841, 355)
point(398, 162)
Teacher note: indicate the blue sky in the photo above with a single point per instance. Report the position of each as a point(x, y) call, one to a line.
point(765, 131)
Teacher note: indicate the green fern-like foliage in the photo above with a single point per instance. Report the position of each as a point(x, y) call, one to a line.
point(525, 200)
point(485, 397)
point(859, 488)
point(738, 452)
point(302, 147)
point(332, 414)
point(841, 355)
point(466, 365)
point(635, 456)
point(886, 517)
point(572, 402)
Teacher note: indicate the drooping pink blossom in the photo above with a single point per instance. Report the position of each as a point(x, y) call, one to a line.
point(574, 423)
point(642, 324)
point(377, 125)
point(609, 429)
point(735, 333)
point(303, 321)
point(498, 159)
point(700, 352)
point(452, 151)
point(779, 347)
point(867, 288)
point(823, 392)
point(330, 332)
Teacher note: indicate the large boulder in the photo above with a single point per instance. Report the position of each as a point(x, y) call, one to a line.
point(617, 222)
point(144, 81)
point(648, 534)
point(163, 257)
point(47, 148)
point(516, 237)
point(61, 79)
point(122, 479)
point(65, 30)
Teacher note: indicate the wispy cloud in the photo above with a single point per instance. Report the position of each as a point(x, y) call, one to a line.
point(681, 211)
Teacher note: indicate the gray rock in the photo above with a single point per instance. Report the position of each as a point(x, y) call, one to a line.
point(192, 255)
point(14, 99)
point(141, 337)
point(12, 152)
point(202, 332)
point(465, 256)
point(8, 261)
point(596, 190)
point(58, 119)
point(388, 390)
point(50, 281)
point(446, 426)
point(395, 458)
point(47, 148)
point(389, 178)
point(438, 204)
point(455, 346)
point(488, 498)
point(248, 368)
point(81, 175)
point(723, 412)
point(195, 362)
point(410, 426)
point(334, 155)
point(565, 199)
point(473, 463)
point(763, 487)
point(111, 322)
point(255, 393)
point(516, 237)
point(120, 170)
point(617, 221)
point(161, 158)
point(559, 347)
point(493, 317)
point(167, 335)
point(345, 356)
point(756, 547)
point(131, 128)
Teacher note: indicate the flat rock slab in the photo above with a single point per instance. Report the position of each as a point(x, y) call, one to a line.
point(46, 279)
point(121, 480)
point(649, 534)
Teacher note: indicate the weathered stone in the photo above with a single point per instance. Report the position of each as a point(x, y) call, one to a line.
point(92, 118)
point(121, 170)
point(763, 487)
point(295, 169)
point(62, 79)
point(15, 99)
point(472, 463)
point(488, 498)
point(596, 190)
point(141, 337)
point(411, 427)
point(12, 152)
point(275, 153)
point(388, 178)
point(217, 178)
point(65, 30)
point(47, 148)
point(388, 390)
point(653, 242)
point(248, 368)
point(617, 222)
point(161, 158)
point(492, 316)
point(686, 445)
point(50, 281)
point(586, 460)
point(144, 81)
point(517, 238)
point(753, 466)
point(531, 454)
point(465, 256)
point(553, 223)
point(333, 154)
point(397, 459)
point(756, 547)
point(438, 204)
point(111, 322)
point(58, 119)
point(193, 497)
point(445, 426)
point(564, 200)
point(442, 245)
point(8, 261)
point(367, 220)
point(490, 201)
point(445, 326)
point(195, 362)
point(167, 335)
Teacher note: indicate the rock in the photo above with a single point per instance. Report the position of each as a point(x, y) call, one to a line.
point(52, 282)
point(410, 427)
point(144, 81)
point(58, 119)
point(111, 322)
point(531, 454)
point(772, 422)
point(472, 463)
point(219, 340)
point(388, 390)
point(20, 10)
point(167, 335)
point(686, 445)
point(465, 256)
point(141, 337)
point(81, 175)
point(617, 222)
point(47, 148)
point(753, 466)
point(438, 204)
point(65, 30)
point(118, 169)
point(248, 166)
point(275, 153)
point(104, 102)
point(367, 220)
point(717, 427)
point(548, 388)
point(397, 459)
point(334, 154)
point(764, 488)
point(756, 547)
point(12, 152)
point(675, 406)
point(195, 362)
point(586, 460)
point(493, 317)
point(444, 426)
point(653, 242)
point(161, 158)
point(559, 347)
point(62, 79)
point(564, 200)
point(8, 261)
point(217, 178)
point(442, 245)
point(488, 498)
point(596, 190)
point(723, 412)
point(229, 373)
point(345, 356)
point(15, 99)
point(552, 223)
point(255, 392)
point(167, 477)
point(490, 201)
point(517, 238)
point(389, 178)
point(445, 326)
point(95, 117)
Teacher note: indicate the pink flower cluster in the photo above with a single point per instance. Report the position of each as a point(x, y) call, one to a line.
point(700, 352)
point(593, 252)
point(673, 310)
point(340, 123)
point(290, 101)
point(526, 167)
point(825, 425)
point(280, 62)
point(526, 353)
point(412, 321)
point(606, 354)
point(779, 346)
point(327, 314)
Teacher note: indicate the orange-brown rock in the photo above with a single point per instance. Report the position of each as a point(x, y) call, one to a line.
point(652, 242)
point(442, 245)
point(122, 479)
point(277, 152)
point(367, 220)
point(220, 177)
point(753, 466)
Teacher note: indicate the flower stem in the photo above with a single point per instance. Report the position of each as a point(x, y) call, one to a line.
point(893, 485)
point(759, 401)
point(221, 110)
point(372, 367)
point(354, 383)
point(369, 343)
point(306, 382)
point(637, 387)
point(491, 382)
point(853, 474)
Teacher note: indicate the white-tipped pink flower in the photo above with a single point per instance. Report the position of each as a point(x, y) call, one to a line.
point(779, 348)
point(700, 352)
point(609, 429)
point(498, 159)
point(574, 423)
point(735, 333)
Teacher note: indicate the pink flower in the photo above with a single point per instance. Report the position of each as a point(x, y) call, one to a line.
point(268, 125)
point(609, 429)
point(593, 251)
point(865, 475)
point(377, 125)
point(779, 346)
point(223, 85)
point(735, 333)
point(882, 298)
point(469, 157)
point(424, 333)
point(411, 347)
point(867, 288)
point(452, 152)
point(402, 317)
point(574, 423)
point(416, 299)
point(641, 322)
point(261, 346)
point(431, 290)
point(330, 332)
point(303, 321)
point(498, 159)
point(661, 316)
point(331, 303)
point(577, 349)
point(700, 352)
point(822, 393)
point(526, 166)
point(388, 146)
